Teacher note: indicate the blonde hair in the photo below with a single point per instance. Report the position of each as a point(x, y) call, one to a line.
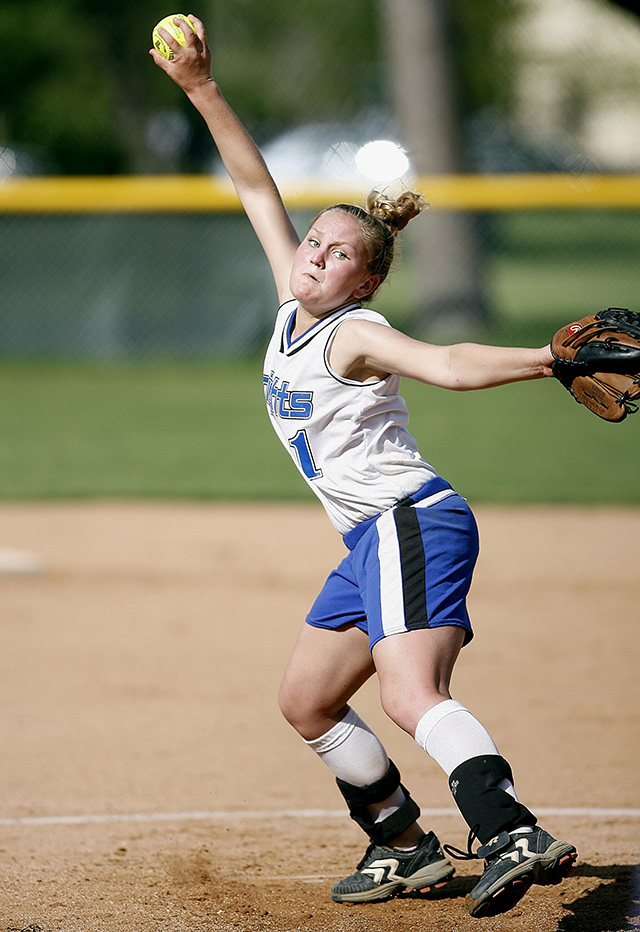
point(380, 220)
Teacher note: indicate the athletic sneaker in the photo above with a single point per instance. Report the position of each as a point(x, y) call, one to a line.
point(513, 862)
point(384, 871)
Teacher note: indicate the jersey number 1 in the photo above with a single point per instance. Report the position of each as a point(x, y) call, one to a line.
point(300, 444)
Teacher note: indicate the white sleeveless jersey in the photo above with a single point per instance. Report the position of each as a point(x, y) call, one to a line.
point(349, 439)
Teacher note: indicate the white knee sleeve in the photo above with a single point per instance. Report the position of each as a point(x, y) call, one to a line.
point(450, 734)
point(352, 751)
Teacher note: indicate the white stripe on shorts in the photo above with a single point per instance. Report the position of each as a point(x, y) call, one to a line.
point(391, 595)
point(435, 498)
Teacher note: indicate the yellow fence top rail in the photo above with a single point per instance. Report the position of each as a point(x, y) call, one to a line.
point(203, 193)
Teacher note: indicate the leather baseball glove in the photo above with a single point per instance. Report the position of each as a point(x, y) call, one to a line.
point(598, 360)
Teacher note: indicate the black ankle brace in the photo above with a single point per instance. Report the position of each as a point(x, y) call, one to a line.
point(486, 808)
point(358, 798)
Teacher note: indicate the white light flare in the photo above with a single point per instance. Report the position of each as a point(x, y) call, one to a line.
point(382, 161)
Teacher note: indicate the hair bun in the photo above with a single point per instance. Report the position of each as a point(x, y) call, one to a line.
point(396, 212)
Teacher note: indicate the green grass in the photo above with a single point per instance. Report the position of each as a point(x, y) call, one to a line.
point(552, 264)
point(162, 429)
point(175, 430)
point(529, 442)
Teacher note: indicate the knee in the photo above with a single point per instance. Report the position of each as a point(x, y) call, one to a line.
point(298, 708)
point(405, 707)
point(289, 704)
point(396, 707)
point(309, 714)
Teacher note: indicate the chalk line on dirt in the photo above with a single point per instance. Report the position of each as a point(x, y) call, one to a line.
point(266, 814)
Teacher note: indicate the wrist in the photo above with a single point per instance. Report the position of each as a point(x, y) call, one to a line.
point(545, 360)
point(201, 89)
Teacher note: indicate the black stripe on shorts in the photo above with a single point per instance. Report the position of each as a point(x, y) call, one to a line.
point(412, 567)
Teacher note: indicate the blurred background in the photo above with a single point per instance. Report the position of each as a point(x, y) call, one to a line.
point(135, 301)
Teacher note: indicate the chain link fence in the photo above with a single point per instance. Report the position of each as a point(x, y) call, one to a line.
point(127, 283)
point(116, 285)
point(179, 284)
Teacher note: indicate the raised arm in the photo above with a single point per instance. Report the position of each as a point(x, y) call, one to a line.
point(260, 198)
point(364, 350)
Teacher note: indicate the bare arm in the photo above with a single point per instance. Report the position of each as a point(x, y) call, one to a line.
point(365, 350)
point(260, 198)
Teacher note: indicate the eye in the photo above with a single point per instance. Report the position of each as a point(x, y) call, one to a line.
point(313, 241)
point(340, 254)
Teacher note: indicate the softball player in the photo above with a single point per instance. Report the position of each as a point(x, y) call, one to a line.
point(396, 604)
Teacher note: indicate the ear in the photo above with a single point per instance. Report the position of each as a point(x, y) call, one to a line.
point(367, 287)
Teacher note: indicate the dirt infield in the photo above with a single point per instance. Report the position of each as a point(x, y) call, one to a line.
point(147, 780)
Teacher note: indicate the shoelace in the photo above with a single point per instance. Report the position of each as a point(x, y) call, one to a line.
point(365, 857)
point(467, 855)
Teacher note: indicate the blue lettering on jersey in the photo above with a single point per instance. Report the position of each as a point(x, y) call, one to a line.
point(284, 403)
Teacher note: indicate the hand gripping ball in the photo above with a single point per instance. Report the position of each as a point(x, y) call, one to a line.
point(174, 30)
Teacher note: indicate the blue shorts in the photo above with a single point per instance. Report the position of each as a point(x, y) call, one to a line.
point(410, 567)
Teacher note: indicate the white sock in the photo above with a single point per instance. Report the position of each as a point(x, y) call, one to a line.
point(355, 754)
point(451, 735)
point(352, 751)
point(388, 806)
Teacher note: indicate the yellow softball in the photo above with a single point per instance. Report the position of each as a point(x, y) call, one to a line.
point(174, 30)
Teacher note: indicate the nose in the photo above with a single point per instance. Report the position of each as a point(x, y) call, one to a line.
point(317, 259)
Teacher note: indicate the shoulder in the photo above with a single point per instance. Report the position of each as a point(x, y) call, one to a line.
point(360, 324)
point(362, 327)
point(358, 345)
point(365, 314)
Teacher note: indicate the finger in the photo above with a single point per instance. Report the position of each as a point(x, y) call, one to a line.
point(184, 25)
point(173, 44)
point(201, 32)
point(191, 40)
point(159, 59)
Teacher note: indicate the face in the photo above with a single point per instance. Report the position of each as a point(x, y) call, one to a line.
point(329, 268)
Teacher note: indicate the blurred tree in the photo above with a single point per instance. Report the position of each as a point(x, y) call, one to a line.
point(79, 89)
point(445, 61)
point(74, 86)
point(482, 61)
point(285, 63)
point(334, 58)
point(55, 101)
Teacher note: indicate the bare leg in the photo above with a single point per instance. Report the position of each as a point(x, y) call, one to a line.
point(414, 670)
point(325, 670)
